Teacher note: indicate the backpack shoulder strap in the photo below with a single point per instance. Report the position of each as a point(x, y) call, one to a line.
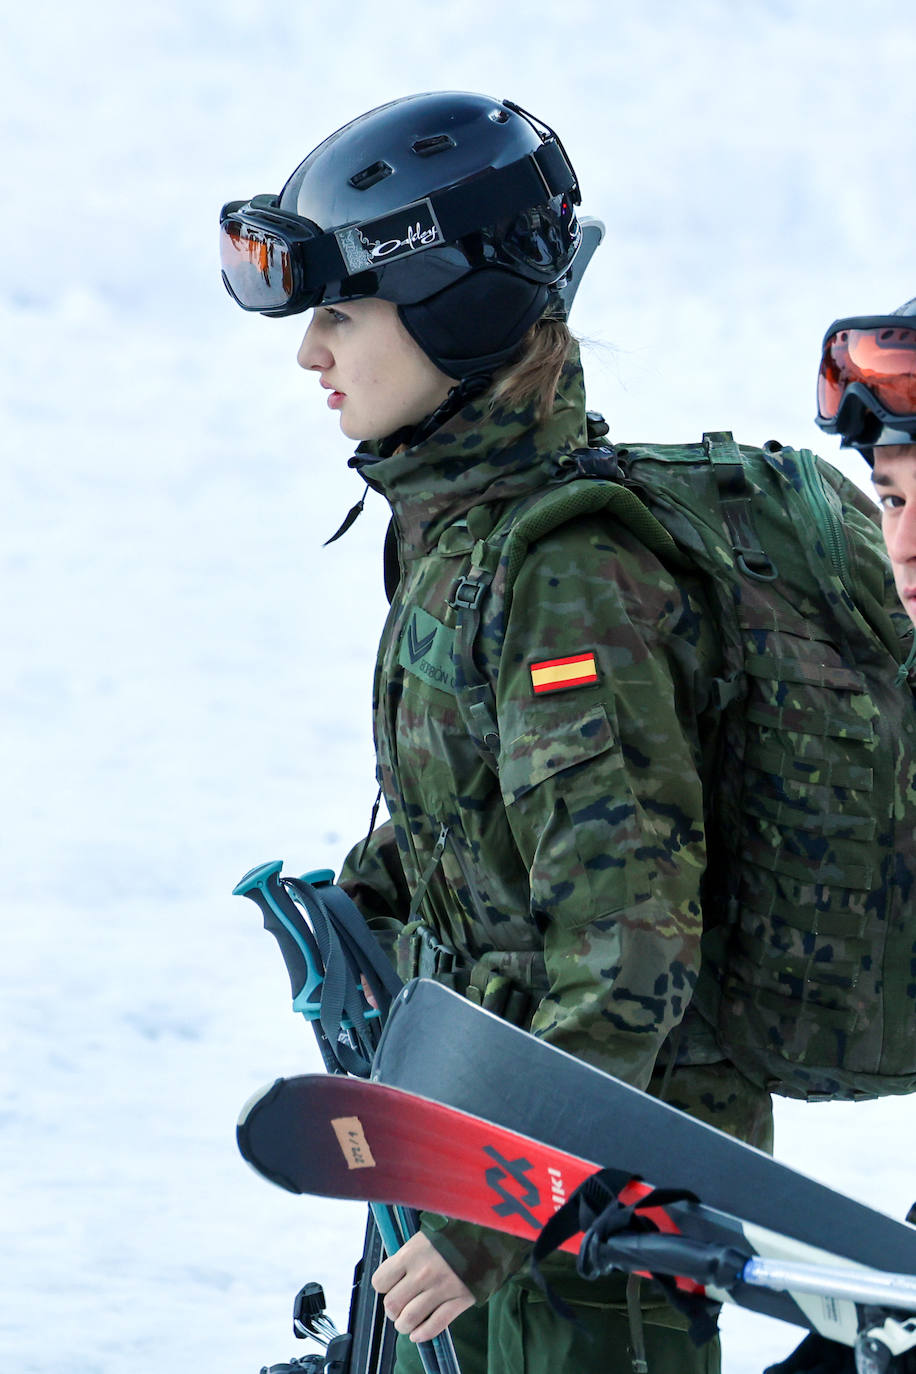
point(509, 542)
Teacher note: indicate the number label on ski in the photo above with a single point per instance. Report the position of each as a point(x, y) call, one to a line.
point(352, 1140)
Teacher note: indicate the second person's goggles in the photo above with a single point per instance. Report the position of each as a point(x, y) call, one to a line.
point(280, 263)
point(868, 366)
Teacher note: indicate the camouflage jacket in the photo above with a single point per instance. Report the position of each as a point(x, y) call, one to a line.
point(572, 874)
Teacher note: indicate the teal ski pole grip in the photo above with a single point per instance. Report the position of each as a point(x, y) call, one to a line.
point(291, 932)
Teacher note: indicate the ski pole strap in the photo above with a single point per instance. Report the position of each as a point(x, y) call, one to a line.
point(339, 924)
point(327, 947)
point(626, 1228)
point(577, 1214)
point(349, 952)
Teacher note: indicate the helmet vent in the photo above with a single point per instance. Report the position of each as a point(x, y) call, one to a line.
point(436, 143)
point(370, 176)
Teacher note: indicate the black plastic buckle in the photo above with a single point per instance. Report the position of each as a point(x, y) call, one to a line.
point(467, 594)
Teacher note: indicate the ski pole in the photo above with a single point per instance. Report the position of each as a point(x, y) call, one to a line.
point(307, 971)
point(395, 1226)
point(297, 945)
point(858, 1285)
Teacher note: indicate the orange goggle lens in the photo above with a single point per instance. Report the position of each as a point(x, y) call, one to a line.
point(256, 265)
point(882, 359)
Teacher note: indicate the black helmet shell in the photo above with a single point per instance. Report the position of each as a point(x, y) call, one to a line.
point(400, 152)
point(391, 160)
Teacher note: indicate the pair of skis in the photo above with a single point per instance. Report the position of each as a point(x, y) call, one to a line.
point(331, 958)
point(732, 1224)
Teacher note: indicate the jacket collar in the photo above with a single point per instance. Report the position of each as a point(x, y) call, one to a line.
point(478, 457)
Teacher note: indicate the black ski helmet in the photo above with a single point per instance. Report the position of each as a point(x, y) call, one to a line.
point(867, 380)
point(456, 207)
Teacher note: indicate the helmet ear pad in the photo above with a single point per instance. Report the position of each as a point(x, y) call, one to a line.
point(476, 323)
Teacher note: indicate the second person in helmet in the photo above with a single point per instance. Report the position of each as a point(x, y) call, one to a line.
point(867, 394)
point(545, 857)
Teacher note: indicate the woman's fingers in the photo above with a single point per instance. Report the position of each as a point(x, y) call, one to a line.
point(439, 1319)
point(422, 1294)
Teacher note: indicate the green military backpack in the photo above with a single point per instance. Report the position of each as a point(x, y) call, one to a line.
point(809, 968)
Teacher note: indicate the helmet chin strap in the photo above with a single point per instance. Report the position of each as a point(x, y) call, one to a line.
point(408, 436)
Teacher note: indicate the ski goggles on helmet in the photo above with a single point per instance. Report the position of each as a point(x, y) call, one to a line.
point(280, 263)
point(866, 385)
point(272, 261)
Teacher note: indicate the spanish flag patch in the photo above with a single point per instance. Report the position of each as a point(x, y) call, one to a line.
point(556, 673)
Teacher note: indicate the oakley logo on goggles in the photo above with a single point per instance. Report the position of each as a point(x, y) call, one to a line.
point(280, 263)
point(868, 364)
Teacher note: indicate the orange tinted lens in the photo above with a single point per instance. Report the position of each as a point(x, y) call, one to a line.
point(832, 380)
point(256, 264)
point(884, 360)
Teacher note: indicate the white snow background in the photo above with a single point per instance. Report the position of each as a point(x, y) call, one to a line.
point(187, 671)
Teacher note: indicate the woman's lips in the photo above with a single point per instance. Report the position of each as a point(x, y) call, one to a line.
point(336, 398)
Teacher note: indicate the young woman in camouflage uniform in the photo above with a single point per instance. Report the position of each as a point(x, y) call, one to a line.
point(545, 858)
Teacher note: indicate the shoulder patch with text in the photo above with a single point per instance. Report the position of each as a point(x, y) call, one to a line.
point(426, 650)
point(556, 673)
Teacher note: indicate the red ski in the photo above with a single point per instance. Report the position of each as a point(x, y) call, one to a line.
point(346, 1138)
point(352, 1138)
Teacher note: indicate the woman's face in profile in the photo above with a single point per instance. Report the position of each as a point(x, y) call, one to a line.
point(378, 378)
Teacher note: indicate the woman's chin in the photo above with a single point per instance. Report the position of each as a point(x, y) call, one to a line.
point(351, 430)
point(358, 432)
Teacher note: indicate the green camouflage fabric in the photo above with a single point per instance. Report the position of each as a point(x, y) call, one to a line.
point(582, 859)
point(810, 940)
point(564, 889)
point(809, 966)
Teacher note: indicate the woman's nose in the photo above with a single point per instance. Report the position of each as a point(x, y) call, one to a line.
point(313, 355)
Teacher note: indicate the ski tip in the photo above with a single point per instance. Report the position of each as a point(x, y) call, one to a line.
point(246, 1133)
point(262, 1095)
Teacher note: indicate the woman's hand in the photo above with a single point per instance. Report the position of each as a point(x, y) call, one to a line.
point(422, 1294)
point(367, 991)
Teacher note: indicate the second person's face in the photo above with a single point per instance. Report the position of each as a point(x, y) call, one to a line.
point(378, 378)
point(894, 476)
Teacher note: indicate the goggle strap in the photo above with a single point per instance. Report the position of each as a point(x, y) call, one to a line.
point(502, 192)
point(323, 260)
point(496, 194)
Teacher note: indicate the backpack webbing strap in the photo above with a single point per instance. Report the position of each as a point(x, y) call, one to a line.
point(735, 500)
point(473, 691)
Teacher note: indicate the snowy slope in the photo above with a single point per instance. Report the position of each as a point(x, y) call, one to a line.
point(187, 670)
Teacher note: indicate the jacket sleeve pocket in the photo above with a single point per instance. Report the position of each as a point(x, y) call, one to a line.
point(551, 742)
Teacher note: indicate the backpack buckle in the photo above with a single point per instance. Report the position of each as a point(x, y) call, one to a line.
point(467, 594)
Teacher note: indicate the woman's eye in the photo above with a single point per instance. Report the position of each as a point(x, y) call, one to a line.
point(335, 316)
point(890, 502)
